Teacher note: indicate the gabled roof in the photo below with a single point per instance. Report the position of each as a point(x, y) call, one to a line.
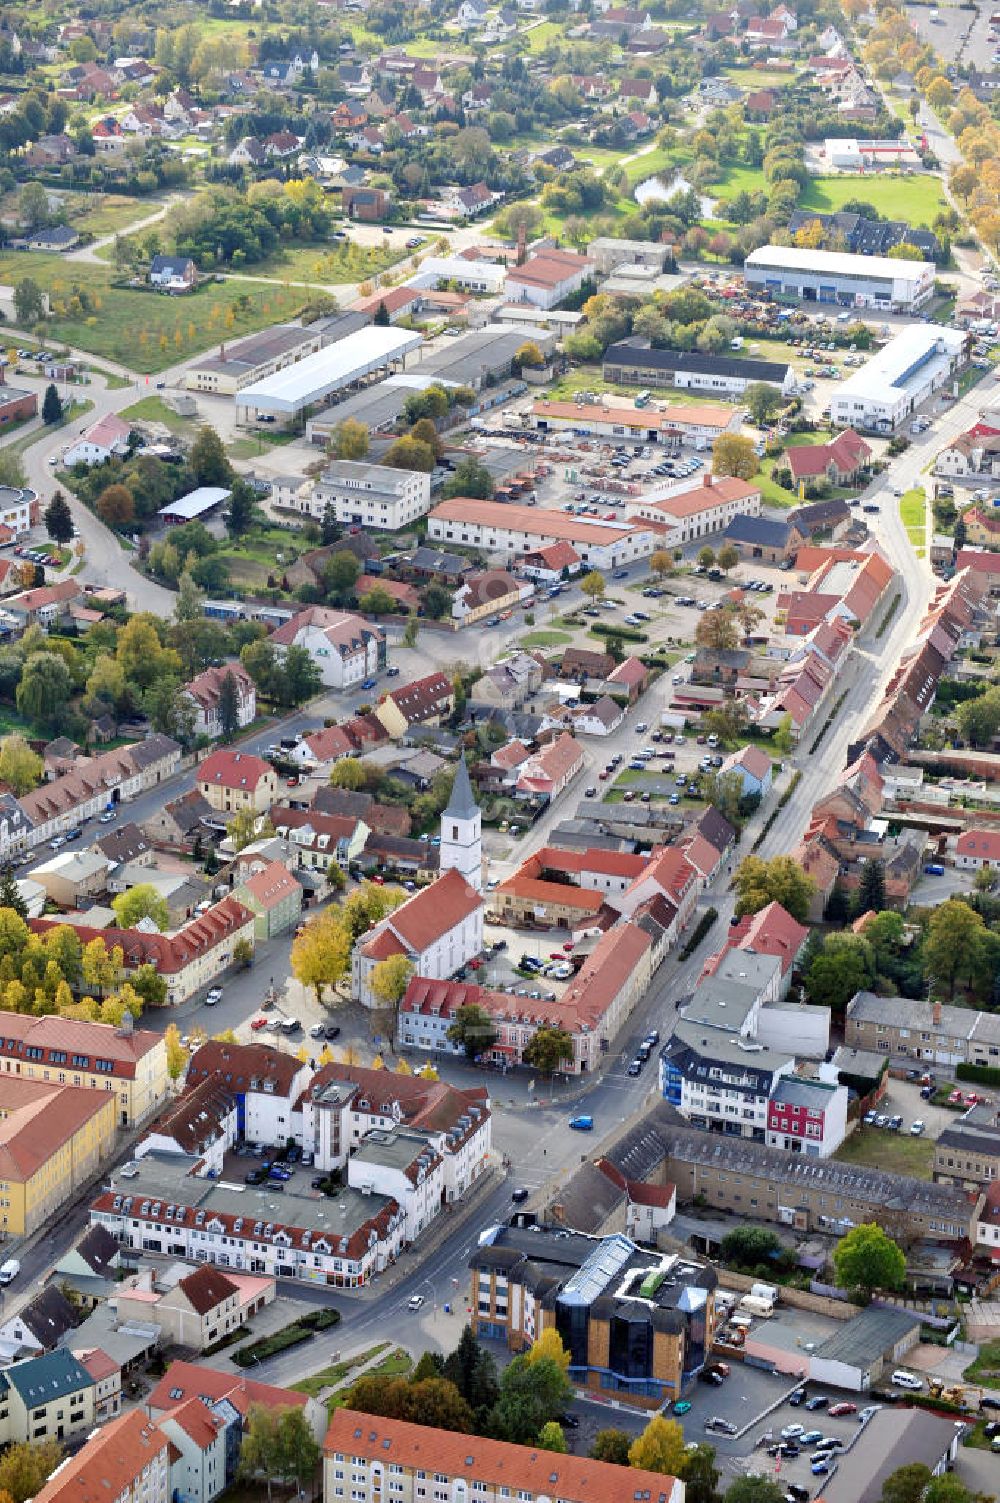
point(207, 1288)
point(109, 1464)
point(428, 915)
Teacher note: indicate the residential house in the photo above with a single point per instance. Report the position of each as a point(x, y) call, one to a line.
point(840, 462)
point(425, 701)
point(196, 1307)
point(40, 1325)
point(265, 1082)
point(485, 595)
point(90, 1267)
point(173, 273)
point(109, 436)
point(978, 849)
point(130, 1457)
point(753, 767)
point(233, 781)
point(49, 1397)
point(549, 769)
point(274, 898)
point(346, 648)
point(206, 693)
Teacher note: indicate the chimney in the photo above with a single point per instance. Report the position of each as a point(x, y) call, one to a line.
point(936, 1014)
point(222, 352)
point(706, 479)
point(522, 245)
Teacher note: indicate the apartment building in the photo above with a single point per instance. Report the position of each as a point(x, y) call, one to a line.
point(702, 509)
point(511, 530)
point(234, 781)
point(264, 1082)
point(50, 1397)
point(205, 693)
point(637, 1324)
point(193, 1307)
point(53, 1139)
point(924, 1032)
point(93, 785)
point(366, 1458)
point(807, 1116)
point(372, 496)
point(129, 1461)
point(967, 1152)
point(130, 1063)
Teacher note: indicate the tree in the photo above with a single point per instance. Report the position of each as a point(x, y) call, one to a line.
point(340, 574)
point(700, 1475)
point(762, 400)
point(424, 430)
point(706, 557)
point(20, 768)
point(350, 439)
point(531, 1394)
point(660, 563)
point(150, 986)
point(549, 1347)
point(754, 1489)
point(547, 1049)
point(208, 458)
point(552, 1437)
point(51, 406)
point(10, 893)
point(843, 967)
point(660, 1447)
point(728, 557)
point(470, 478)
point(431, 1401)
point(243, 954)
point(141, 901)
point(242, 508)
point(410, 454)
point(389, 980)
point(953, 942)
point(746, 1247)
point(177, 1055)
point(320, 954)
point(871, 889)
point(45, 689)
point(528, 354)
point(473, 1030)
point(759, 882)
point(350, 773)
point(979, 718)
point(229, 709)
point(29, 302)
point(782, 737)
point(907, 1484)
point(717, 631)
point(58, 519)
point(301, 678)
point(611, 1445)
point(868, 1259)
point(436, 602)
point(298, 1449)
point(593, 585)
point(26, 1466)
point(474, 1373)
point(116, 506)
point(734, 455)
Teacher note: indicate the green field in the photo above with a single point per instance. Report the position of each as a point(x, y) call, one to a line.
point(334, 264)
point(649, 163)
point(758, 78)
point(917, 199)
point(892, 1152)
point(155, 410)
point(546, 639)
point(913, 514)
point(737, 179)
point(539, 37)
point(144, 330)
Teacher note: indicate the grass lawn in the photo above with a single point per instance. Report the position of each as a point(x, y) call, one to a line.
point(918, 199)
point(649, 163)
point(144, 330)
point(913, 514)
point(538, 37)
point(892, 1152)
point(155, 410)
point(546, 639)
point(772, 493)
point(737, 179)
point(757, 78)
point(395, 1365)
point(987, 1364)
point(337, 263)
point(327, 1377)
point(589, 378)
point(108, 213)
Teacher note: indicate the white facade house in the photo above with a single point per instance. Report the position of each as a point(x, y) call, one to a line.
point(346, 648)
point(404, 1166)
point(697, 511)
point(511, 530)
point(372, 496)
point(439, 930)
point(198, 1453)
point(98, 443)
point(15, 508)
point(839, 278)
point(887, 390)
point(469, 276)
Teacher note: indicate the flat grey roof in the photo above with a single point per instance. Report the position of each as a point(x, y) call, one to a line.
point(328, 370)
point(196, 503)
point(892, 1438)
point(257, 349)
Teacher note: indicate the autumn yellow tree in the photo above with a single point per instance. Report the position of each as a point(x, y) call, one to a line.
point(177, 1055)
point(320, 954)
point(389, 980)
point(549, 1344)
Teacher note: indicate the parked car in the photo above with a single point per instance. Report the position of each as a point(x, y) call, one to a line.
point(519, 1195)
point(582, 1124)
point(415, 1302)
point(214, 996)
point(904, 1379)
point(836, 1410)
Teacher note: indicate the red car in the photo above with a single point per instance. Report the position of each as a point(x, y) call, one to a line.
point(838, 1409)
point(569, 945)
point(256, 1023)
point(555, 955)
point(475, 965)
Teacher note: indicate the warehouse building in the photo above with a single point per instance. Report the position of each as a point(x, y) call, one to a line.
point(253, 359)
point(617, 418)
point(885, 392)
point(512, 530)
point(287, 393)
point(634, 362)
point(839, 279)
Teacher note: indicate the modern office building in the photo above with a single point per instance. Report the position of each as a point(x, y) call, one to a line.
point(637, 1324)
point(840, 279)
point(889, 388)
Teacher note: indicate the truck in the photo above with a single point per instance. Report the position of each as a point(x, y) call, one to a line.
point(765, 1291)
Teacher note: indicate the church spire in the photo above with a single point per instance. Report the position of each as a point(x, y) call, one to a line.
point(462, 803)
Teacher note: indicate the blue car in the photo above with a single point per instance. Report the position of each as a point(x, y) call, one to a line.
point(369, 683)
point(582, 1124)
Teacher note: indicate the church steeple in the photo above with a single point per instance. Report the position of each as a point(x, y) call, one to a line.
point(462, 831)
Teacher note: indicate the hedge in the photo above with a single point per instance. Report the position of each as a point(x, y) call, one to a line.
point(299, 1331)
point(627, 633)
point(981, 1074)
point(705, 923)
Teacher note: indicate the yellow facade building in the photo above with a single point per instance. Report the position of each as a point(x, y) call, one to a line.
point(53, 1139)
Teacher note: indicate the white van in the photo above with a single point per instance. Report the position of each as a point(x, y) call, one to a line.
point(765, 1291)
point(9, 1271)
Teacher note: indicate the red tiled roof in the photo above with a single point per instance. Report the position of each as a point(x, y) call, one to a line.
point(234, 769)
point(434, 911)
point(576, 1479)
point(206, 1288)
point(982, 843)
point(208, 1384)
point(271, 885)
point(111, 1461)
point(564, 893)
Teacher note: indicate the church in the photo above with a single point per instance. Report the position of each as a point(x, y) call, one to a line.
point(440, 928)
